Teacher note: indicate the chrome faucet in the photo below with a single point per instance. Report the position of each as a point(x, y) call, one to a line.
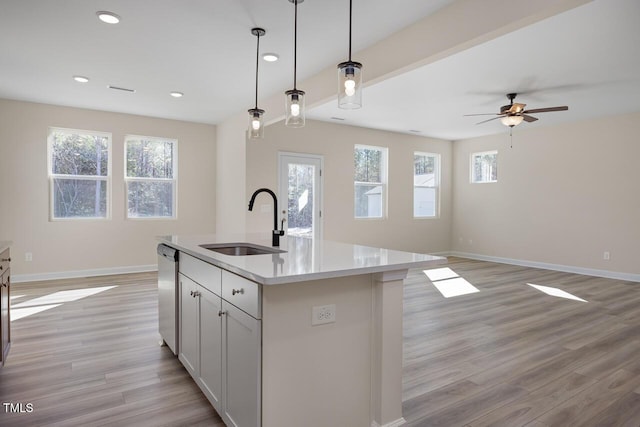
point(275, 236)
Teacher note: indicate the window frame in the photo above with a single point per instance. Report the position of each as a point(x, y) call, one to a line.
point(384, 184)
point(173, 180)
point(471, 167)
point(436, 186)
point(53, 176)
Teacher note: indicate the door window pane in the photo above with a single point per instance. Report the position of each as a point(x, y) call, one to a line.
point(300, 209)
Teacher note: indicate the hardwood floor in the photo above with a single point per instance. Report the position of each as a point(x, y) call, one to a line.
point(96, 360)
point(508, 355)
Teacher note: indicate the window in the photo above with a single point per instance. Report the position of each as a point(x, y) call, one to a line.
point(150, 175)
point(426, 182)
point(484, 167)
point(79, 173)
point(370, 181)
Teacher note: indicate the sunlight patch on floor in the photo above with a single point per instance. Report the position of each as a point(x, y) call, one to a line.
point(46, 302)
point(555, 292)
point(449, 283)
point(440, 274)
point(19, 313)
point(455, 287)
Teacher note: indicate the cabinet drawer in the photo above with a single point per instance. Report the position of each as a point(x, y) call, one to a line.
point(199, 271)
point(243, 293)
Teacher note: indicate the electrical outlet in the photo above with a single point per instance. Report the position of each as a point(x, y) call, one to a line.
point(28, 256)
point(606, 256)
point(323, 314)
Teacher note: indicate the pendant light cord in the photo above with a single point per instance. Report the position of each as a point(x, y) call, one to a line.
point(257, 65)
point(350, 22)
point(295, 42)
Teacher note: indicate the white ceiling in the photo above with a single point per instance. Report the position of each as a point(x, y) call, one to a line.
point(585, 58)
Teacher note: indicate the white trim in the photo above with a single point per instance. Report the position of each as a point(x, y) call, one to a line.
point(22, 278)
point(397, 423)
point(631, 277)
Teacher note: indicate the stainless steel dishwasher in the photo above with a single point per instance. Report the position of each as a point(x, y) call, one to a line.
point(168, 296)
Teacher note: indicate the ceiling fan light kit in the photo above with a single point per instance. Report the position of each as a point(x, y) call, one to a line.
point(514, 113)
point(294, 103)
point(350, 77)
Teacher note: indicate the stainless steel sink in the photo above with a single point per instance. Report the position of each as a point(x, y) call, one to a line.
point(241, 249)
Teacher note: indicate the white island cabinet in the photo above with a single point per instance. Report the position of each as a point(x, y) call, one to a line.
point(308, 336)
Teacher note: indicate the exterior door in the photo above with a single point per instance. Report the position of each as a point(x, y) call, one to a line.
point(300, 190)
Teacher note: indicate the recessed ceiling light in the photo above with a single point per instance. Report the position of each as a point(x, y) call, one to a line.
point(177, 94)
point(108, 17)
point(81, 79)
point(336, 118)
point(414, 131)
point(270, 57)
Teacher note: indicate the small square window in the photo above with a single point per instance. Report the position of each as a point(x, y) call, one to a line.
point(484, 167)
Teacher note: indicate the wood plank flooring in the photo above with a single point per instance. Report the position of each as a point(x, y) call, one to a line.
point(507, 355)
point(510, 355)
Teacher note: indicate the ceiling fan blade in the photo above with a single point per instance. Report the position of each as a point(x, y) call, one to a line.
point(482, 114)
point(517, 108)
point(546, 110)
point(529, 118)
point(488, 120)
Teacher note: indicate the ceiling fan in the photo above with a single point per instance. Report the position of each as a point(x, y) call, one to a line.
point(514, 113)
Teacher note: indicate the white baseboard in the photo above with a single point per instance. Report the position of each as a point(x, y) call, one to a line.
point(21, 278)
point(397, 423)
point(547, 266)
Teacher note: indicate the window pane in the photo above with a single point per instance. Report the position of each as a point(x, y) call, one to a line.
point(424, 201)
point(150, 199)
point(79, 154)
point(368, 165)
point(424, 165)
point(75, 198)
point(368, 200)
point(148, 158)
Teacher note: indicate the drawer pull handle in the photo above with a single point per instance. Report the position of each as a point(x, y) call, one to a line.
point(221, 313)
point(5, 259)
point(237, 291)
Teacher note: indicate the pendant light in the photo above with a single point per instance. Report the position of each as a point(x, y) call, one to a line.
point(350, 77)
point(256, 126)
point(295, 98)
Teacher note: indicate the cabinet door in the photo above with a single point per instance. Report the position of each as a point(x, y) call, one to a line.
point(242, 364)
point(211, 346)
point(189, 326)
point(4, 316)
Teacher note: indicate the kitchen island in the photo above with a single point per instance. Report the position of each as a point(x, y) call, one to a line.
point(308, 335)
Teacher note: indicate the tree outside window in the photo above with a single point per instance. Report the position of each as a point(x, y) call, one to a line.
point(79, 173)
point(151, 177)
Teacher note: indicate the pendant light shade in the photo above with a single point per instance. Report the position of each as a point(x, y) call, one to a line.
point(350, 85)
point(294, 104)
point(256, 124)
point(350, 77)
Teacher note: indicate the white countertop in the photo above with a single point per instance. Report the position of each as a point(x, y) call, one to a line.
point(304, 259)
